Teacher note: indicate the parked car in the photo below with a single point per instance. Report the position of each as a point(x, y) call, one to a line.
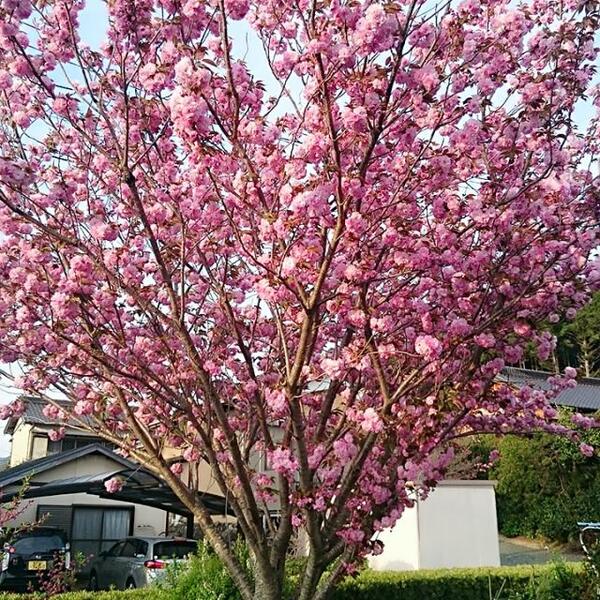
point(28, 554)
point(137, 561)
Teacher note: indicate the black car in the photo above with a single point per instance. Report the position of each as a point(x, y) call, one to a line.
point(28, 554)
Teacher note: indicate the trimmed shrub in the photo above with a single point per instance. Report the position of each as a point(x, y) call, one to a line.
point(565, 581)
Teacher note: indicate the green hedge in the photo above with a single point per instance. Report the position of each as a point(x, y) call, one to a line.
point(540, 582)
point(543, 582)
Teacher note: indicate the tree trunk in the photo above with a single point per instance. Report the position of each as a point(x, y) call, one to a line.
point(267, 589)
point(585, 356)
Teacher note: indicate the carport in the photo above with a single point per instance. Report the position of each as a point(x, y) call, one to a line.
point(139, 487)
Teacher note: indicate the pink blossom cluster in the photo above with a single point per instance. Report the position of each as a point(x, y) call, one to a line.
point(113, 485)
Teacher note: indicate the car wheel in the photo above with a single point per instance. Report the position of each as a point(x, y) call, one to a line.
point(93, 582)
point(130, 585)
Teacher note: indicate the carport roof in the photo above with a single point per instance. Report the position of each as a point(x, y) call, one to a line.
point(139, 485)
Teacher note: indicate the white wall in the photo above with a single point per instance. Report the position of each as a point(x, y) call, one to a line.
point(454, 527)
point(401, 545)
point(19, 447)
point(458, 527)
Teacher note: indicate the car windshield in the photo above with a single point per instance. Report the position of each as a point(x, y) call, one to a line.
point(38, 543)
point(174, 549)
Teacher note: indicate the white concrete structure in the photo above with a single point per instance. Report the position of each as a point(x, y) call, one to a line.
point(455, 526)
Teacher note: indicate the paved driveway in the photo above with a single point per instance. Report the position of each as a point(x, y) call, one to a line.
point(516, 551)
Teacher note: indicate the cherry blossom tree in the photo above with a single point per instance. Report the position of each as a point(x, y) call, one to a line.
point(326, 272)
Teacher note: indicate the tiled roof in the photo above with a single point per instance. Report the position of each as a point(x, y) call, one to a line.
point(39, 465)
point(586, 396)
point(34, 414)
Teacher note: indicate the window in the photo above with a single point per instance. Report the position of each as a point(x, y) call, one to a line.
point(175, 549)
point(39, 447)
point(141, 548)
point(39, 543)
point(116, 549)
point(55, 515)
point(71, 442)
point(129, 549)
point(97, 528)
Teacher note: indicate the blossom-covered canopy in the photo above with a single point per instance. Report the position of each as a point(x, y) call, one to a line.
point(306, 271)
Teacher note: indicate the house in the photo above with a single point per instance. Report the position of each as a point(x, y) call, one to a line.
point(92, 523)
point(585, 397)
point(64, 482)
point(29, 434)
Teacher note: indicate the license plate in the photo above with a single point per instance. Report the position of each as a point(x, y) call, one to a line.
point(36, 565)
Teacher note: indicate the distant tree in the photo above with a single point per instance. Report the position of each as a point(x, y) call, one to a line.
point(579, 340)
point(548, 500)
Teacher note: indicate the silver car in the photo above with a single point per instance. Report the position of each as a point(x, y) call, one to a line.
point(137, 561)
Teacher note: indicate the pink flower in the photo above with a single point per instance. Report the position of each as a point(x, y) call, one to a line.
point(356, 224)
point(522, 328)
point(282, 461)
point(103, 231)
point(586, 450)
point(191, 454)
point(297, 520)
point(184, 71)
point(374, 31)
point(54, 435)
point(276, 401)
point(428, 347)
point(177, 468)
point(354, 119)
point(113, 485)
point(237, 8)
point(427, 76)
point(583, 421)
point(83, 407)
point(459, 327)
point(485, 340)
point(371, 421)
point(345, 449)
point(352, 535)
